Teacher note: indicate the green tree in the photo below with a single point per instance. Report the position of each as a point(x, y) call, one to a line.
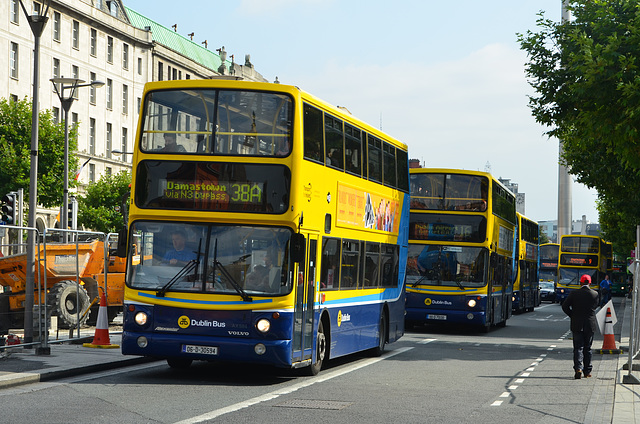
point(15, 152)
point(101, 207)
point(587, 92)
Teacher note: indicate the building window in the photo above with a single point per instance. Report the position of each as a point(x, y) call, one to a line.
point(13, 61)
point(56, 70)
point(138, 103)
point(75, 35)
point(76, 74)
point(92, 136)
point(56, 26)
point(109, 94)
point(92, 173)
point(139, 66)
point(125, 99)
point(92, 89)
point(159, 71)
point(15, 12)
point(108, 171)
point(56, 115)
point(110, 49)
point(14, 98)
point(125, 56)
point(124, 144)
point(74, 119)
point(109, 140)
point(94, 42)
point(36, 8)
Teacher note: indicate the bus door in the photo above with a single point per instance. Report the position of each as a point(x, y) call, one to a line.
point(303, 328)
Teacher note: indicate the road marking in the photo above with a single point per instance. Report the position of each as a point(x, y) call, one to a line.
point(505, 394)
point(530, 369)
point(290, 389)
point(497, 403)
point(525, 374)
point(513, 387)
point(425, 341)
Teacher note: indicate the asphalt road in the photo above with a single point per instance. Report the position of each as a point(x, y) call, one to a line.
point(432, 375)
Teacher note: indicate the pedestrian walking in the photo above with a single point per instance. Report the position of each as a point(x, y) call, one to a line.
point(581, 306)
point(605, 290)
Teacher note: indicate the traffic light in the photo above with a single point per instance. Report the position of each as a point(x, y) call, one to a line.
point(72, 213)
point(9, 208)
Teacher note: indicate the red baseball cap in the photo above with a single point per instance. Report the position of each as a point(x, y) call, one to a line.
point(585, 279)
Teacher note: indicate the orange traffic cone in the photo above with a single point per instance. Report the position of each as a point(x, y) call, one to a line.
point(101, 338)
point(609, 342)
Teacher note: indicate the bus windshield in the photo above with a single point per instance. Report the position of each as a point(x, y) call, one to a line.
point(220, 122)
point(572, 275)
point(455, 266)
point(224, 259)
point(547, 275)
point(449, 192)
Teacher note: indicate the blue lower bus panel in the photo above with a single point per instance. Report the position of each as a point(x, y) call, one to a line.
point(430, 308)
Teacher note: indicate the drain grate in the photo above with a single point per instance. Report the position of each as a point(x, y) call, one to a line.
point(314, 404)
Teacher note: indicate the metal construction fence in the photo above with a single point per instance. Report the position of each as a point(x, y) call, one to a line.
point(634, 307)
point(70, 273)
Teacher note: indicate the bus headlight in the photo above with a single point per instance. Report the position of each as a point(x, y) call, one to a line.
point(263, 325)
point(141, 318)
point(471, 303)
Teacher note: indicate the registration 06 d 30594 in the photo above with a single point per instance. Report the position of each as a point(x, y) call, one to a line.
point(202, 350)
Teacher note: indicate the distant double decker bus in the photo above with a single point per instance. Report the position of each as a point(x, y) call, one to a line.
point(580, 255)
point(461, 248)
point(549, 254)
point(265, 226)
point(526, 293)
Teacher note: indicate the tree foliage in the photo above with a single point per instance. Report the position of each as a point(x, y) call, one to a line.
point(100, 209)
point(15, 152)
point(587, 92)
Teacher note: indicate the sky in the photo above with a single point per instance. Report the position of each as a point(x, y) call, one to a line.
point(448, 83)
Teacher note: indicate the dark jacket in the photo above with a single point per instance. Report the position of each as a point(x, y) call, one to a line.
point(581, 306)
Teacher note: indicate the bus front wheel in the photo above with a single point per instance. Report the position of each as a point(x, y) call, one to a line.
point(382, 336)
point(321, 350)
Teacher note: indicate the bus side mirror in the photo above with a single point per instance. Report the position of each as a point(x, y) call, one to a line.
point(298, 245)
point(121, 250)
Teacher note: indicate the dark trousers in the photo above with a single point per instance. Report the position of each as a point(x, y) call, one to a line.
point(606, 297)
point(582, 341)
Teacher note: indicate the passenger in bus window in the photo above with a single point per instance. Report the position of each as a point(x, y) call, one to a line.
point(170, 144)
point(258, 279)
point(179, 255)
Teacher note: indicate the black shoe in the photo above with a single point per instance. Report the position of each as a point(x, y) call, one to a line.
point(587, 375)
point(578, 375)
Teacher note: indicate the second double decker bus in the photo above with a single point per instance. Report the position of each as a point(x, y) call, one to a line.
point(272, 228)
point(579, 255)
point(461, 247)
point(548, 271)
point(526, 293)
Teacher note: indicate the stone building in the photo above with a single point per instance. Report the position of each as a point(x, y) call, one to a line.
point(100, 40)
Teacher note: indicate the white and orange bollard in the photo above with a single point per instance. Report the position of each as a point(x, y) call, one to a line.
point(609, 342)
point(101, 337)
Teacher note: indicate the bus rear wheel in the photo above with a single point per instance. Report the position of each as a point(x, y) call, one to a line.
point(382, 336)
point(321, 351)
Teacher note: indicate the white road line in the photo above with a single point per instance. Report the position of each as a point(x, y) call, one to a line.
point(525, 374)
point(505, 394)
point(530, 369)
point(497, 403)
point(520, 380)
point(513, 387)
point(425, 341)
point(290, 389)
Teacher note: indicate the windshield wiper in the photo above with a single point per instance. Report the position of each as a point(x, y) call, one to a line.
point(419, 280)
point(225, 273)
point(192, 265)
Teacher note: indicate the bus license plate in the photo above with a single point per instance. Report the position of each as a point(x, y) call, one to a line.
point(438, 317)
point(202, 350)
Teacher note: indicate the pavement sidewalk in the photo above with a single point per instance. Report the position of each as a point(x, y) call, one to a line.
point(610, 398)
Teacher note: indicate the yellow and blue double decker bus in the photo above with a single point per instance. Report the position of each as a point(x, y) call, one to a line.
point(265, 226)
point(526, 293)
point(461, 248)
point(580, 255)
point(549, 255)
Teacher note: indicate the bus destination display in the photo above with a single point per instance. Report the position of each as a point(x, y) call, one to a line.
point(578, 260)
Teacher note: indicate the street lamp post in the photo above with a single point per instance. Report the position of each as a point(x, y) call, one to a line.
point(68, 84)
point(37, 22)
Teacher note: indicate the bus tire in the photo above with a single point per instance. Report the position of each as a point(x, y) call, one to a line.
point(179, 363)
point(321, 350)
point(66, 304)
point(382, 336)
